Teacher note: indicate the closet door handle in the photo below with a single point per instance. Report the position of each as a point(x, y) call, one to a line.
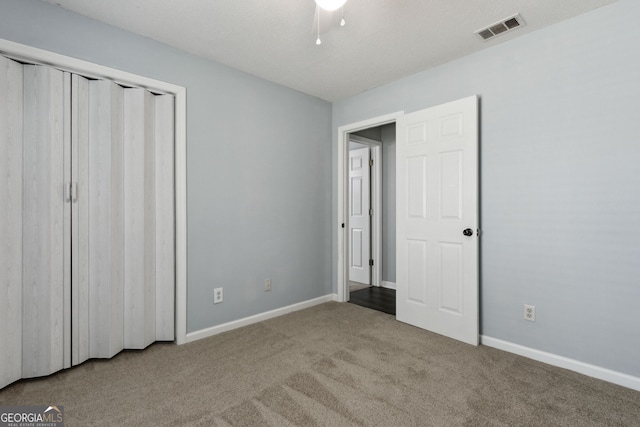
point(71, 192)
point(67, 192)
point(74, 192)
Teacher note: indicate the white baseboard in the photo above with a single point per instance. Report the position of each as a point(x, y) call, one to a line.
point(214, 330)
point(564, 362)
point(388, 285)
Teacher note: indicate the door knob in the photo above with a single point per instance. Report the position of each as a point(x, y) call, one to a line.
point(468, 232)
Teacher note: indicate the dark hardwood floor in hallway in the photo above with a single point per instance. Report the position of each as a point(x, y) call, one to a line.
point(376, 298)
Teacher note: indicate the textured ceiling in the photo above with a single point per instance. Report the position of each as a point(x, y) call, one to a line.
point(274, 39)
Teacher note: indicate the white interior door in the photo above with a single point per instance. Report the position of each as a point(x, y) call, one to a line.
point(437, 219)
point(359, 216)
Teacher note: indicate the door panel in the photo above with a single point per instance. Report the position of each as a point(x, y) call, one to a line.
point(139, 219)
point(103, 206)
point(450, 188)
point(43, 210)
point(450, 284)
point(165, 218)
point(417, 180)
point(437, 198)
point(81, 320)
point(359, 218)
point(11, 111)
point(417, 271)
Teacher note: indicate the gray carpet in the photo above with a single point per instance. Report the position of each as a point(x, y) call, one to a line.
point(330, 365)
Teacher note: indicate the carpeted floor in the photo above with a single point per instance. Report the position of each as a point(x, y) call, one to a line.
point(330, 365)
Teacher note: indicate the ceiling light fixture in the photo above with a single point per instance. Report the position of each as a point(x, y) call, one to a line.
point(318, 42)
point(330, 5)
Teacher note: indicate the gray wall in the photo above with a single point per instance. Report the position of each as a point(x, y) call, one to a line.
point(258, 165)
point(560, 187)
point(356, 145)
point(371, 133)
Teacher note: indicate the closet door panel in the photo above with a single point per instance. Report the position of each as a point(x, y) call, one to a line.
point(165, 218)
point(139, 219)
point(80, 350)
point(11, 224)
point(149, 318)
point(66, 219)
point(105, 218)
point(43, 199)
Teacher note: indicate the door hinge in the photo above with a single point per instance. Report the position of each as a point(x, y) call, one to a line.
point(370, 211)
point(370, 162)
point(371, 262)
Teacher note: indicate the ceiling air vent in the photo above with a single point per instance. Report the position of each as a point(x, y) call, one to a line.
point(506, 25)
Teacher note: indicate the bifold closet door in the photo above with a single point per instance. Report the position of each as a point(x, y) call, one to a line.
point(87, 263)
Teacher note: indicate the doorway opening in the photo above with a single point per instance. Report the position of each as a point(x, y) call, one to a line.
point(371, 218)
point(367, 204)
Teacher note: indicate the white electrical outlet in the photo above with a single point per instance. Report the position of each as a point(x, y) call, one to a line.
point(267, 285)
point(530, 313)
point(217, 296)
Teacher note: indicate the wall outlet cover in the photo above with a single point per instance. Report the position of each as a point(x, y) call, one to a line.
point(218, 295)
point(530, 312)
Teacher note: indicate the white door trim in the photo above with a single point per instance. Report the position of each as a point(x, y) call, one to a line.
point(343, 193)
point(88, 69)
point(376, 205)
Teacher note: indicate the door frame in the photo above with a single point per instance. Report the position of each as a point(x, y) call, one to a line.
point(66, 63)
point(343, 202)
